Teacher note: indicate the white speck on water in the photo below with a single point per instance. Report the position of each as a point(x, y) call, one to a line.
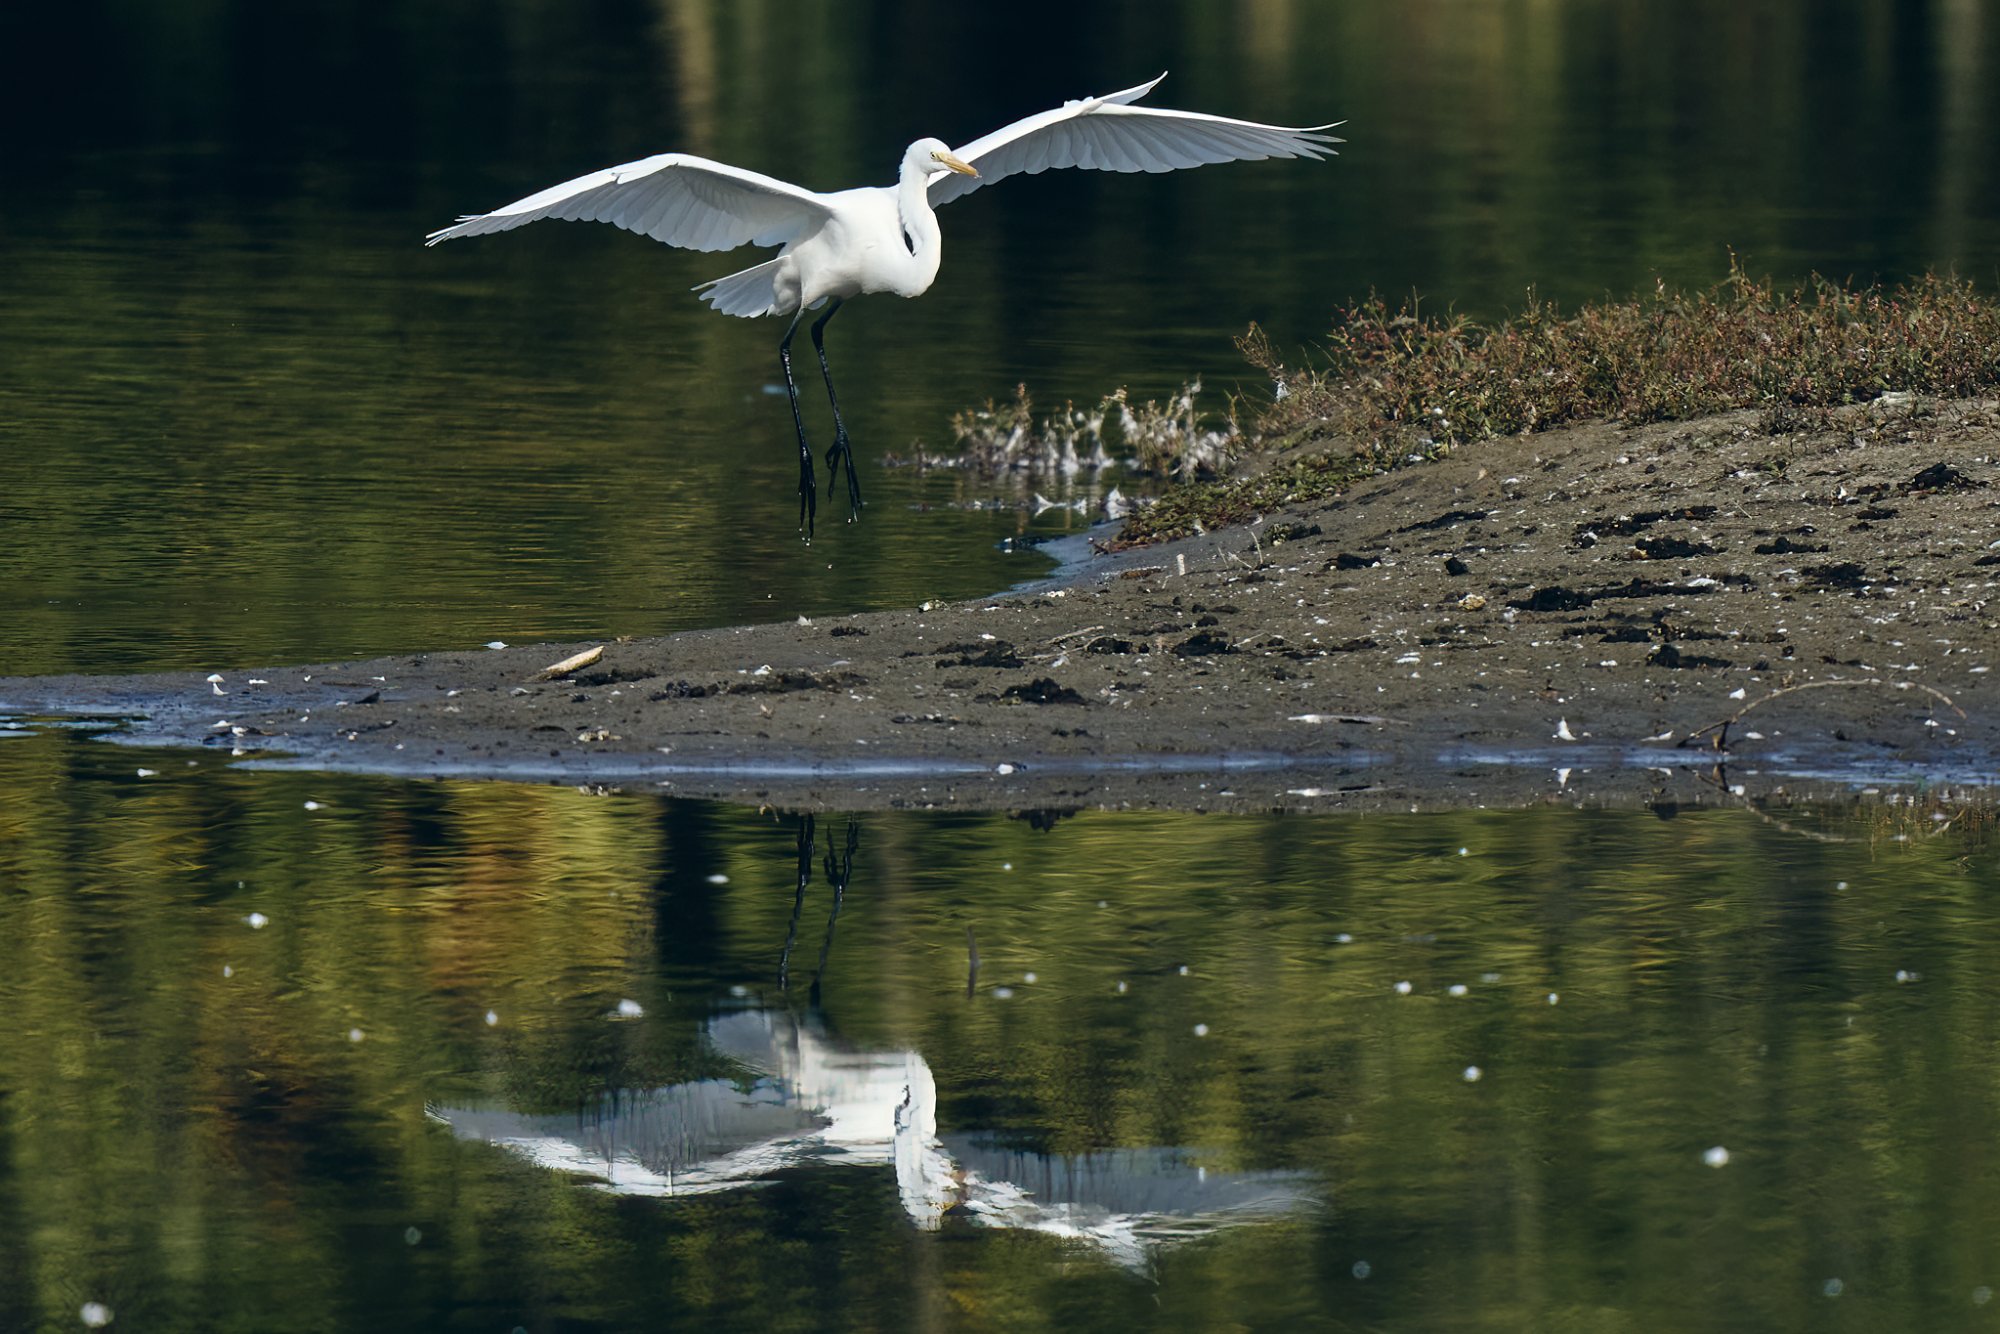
point(1201, 1030)
point(1554, 998)
point(1489, 978)
point(1465, 852)
point(1404, 988)
point(718, 879)
point(1003, 769)
point(1362, 1269)
point(257, 921)
point(1183, 970)
point(1908, 975)
point(491, 643)
point(228, 971)
point(1343, 939)
point(492, 1018)
point(1124, 987)
point(1006, 866)
point(1562, 730)
point(94, 1315)
point(258, 681)
point(629, 1009)
point(1839, 885)
point(1716, 1157)
point(1981, 1295)
point(1457, 989)
point(1833, 1287)
point(355, 1035)
point(147, 773)
point(739, 991)
point(411, 1236)
point(1003, 993)
point(312, 805)
point(1472, 1074)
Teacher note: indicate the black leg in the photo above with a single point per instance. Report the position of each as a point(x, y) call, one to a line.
point(808, 492)
point(838, 452)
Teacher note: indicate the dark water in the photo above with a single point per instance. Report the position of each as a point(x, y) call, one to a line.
point(292, 1052)
point(297, 1052)
point(247, 417)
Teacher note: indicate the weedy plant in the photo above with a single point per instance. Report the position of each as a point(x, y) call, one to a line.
point(1169, 439)
point(1796, 354)
point(1398, 385)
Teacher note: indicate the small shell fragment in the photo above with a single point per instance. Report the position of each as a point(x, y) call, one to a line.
point(570, 664)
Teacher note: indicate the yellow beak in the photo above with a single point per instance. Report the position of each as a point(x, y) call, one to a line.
point(962, 168)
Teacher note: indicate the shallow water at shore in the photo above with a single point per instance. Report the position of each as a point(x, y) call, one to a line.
point(335, 1052)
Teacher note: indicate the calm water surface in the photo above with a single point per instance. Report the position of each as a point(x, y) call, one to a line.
point(298, 1052)
point(291, 1052)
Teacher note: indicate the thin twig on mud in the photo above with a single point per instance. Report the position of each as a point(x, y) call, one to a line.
point(1720, 740)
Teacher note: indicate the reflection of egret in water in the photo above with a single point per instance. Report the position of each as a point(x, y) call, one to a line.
point(797, 1096)
point(808, 1098)
point(838, 871)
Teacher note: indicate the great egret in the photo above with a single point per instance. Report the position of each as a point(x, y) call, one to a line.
point(876, 238)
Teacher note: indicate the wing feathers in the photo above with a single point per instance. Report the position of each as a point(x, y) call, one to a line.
point(1109, 134)
point(672, 197)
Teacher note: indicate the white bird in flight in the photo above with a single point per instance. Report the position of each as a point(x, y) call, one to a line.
point(876, 238)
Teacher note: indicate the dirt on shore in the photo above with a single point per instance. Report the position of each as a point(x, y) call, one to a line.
point(1549, 617)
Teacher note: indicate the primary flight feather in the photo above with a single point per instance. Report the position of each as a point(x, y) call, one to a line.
point(876, 238)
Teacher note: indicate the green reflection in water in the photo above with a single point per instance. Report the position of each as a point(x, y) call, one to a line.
point(207, 1122)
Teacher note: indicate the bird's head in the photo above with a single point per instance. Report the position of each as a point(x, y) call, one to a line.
point(934, 157)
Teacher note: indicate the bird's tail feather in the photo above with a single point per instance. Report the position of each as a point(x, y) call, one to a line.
point(749, 293)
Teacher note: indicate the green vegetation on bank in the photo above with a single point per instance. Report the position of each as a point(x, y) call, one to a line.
point(1394, 385)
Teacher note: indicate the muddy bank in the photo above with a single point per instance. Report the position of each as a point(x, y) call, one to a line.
point(1541, 618)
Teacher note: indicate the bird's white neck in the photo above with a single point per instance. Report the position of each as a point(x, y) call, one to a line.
point(920, 229)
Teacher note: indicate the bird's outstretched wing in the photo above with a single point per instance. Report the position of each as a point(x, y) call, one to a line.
point(1110, 134)
point(673, 197)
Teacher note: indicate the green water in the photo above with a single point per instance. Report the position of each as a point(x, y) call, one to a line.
point(207, 1123)
point(266, 1032)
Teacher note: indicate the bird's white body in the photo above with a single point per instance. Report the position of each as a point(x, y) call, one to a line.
point(873, 239)
point(876, 239)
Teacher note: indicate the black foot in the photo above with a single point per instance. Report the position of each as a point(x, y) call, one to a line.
point(838, 453)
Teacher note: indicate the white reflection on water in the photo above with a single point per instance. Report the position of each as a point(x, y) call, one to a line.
point(816, 1099)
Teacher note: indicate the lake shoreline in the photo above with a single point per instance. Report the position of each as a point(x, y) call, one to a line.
point(1545, 617)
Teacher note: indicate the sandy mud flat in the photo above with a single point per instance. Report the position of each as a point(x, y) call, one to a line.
point(1533, 619)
